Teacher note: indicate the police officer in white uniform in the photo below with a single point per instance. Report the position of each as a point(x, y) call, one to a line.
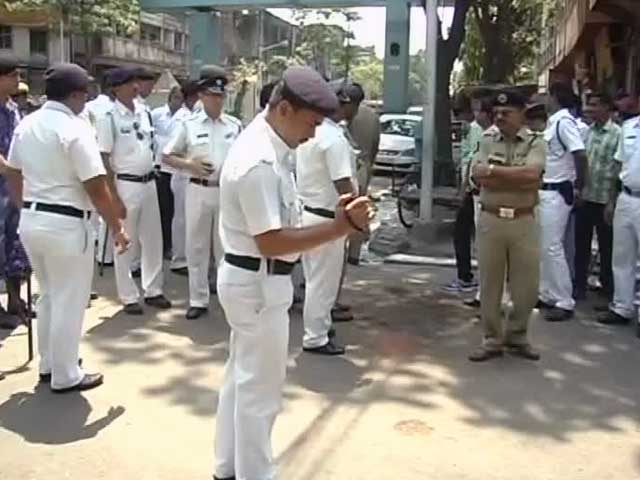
point(200, 146)
point(125, 139)
point(261, 240)
point(626, 230)
point(55, 166)
point(563, 181)
point(324, 172)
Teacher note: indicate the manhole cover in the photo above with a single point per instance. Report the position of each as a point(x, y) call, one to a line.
point(413, 427)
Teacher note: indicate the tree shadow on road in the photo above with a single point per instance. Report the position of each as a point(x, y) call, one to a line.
point(46, 418)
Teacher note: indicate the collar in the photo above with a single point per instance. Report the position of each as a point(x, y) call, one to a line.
point(560, 114)
point(605, 128)
point(58, 107)
point(137, 107)
point(633, 122)
point(521, 134)
point(282, 150)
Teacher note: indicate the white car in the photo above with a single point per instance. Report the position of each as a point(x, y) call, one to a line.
point(397, 151)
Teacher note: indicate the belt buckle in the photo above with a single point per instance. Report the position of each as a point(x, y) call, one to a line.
point(508, 213)
point(271, 263)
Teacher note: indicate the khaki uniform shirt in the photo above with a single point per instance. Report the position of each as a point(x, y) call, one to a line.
point(529, 149)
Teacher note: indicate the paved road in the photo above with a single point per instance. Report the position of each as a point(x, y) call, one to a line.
point(404, 403)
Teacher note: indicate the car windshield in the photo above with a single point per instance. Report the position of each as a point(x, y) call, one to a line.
point(399, 126)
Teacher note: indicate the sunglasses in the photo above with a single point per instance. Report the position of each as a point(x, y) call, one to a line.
point(136, 127)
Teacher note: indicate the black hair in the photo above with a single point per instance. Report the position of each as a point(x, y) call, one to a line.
point(603, 97)
point(190, 88)
point(175, 89)
point(356, 92)
point(59, 91)
point(486, 104)
point(265, 94)
point(563, 93)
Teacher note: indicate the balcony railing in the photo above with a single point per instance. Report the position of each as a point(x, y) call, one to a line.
point(126, 49)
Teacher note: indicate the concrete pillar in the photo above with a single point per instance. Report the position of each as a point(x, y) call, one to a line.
point(396, 63)
point(205, 46)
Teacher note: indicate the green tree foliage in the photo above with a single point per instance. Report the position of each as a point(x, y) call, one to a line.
point(86, 16)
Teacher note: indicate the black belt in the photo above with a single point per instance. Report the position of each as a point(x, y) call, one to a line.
point(321, 212)
point(127, 177)
point(633, 193)
point(556, 185)
point(59, 209)
point(204, 182)
point(274, 267)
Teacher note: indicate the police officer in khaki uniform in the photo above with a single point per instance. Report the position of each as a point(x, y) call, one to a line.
point(508, 167)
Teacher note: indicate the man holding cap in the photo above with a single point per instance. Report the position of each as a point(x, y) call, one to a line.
point(507, 168)
point(55, 165)
point(200, 145)
point(126, 142)
point(262, 240)
point(14, 264)
point(324, 172)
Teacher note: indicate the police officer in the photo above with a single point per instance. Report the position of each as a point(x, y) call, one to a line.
point(564, 178)
point(199, 146)
point(324, 172)
point(508, 168)
point(261, 240)
point(125, 139)
point(55, 166)
point(626, 229)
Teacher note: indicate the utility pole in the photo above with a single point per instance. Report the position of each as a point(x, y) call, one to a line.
point(429, 119)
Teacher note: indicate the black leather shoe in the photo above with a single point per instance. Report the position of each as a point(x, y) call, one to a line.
point(543, 305)
point(482, 354)
point(159, 301)
point(523, 351)
point(93, 296)
point(341, 315)
point(472, 302)
point(133, 309)
point(196, 312)
point(331, 333)
point(184, 271)
point(46, 377)
point(223, 478)
point(89, 381)
point(612, 318)
point(136, 273)
point(558, 315)
point(328, 348)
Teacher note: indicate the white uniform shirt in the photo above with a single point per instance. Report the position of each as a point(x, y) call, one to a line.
point(127, 137)
point(99, 106)
point(629, 154)
point(560, 165)
point(165, 126)
point(200, 136)
point(257, 190)
point(322, 160)
point(56, 151)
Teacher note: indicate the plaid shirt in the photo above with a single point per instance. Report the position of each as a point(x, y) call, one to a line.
point(602, 143)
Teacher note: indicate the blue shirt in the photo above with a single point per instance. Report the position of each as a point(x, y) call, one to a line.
point(9, 118)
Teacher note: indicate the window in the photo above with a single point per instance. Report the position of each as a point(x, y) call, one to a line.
point(399, 126)
point(6, 37)
point(151, 33)
point(178, 41)
point(38, 40)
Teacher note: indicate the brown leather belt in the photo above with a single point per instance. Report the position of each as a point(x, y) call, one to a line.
point(508, 212)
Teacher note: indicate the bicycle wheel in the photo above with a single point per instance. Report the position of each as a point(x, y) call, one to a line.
point(407, 212)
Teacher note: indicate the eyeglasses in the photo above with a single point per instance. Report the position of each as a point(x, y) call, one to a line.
point(136, 127)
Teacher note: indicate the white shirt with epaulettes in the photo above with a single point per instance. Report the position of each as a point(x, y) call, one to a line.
point(628, 154)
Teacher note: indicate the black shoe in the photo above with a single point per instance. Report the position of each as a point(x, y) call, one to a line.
point(523, 351)
point(89, 381)
point(353, 261)
point(223, 478)
point(93, 296)
point(184, 271)
point(543, 305)
point(133, 309)
point(612, 318)
point(338, 316)
point(159, 301)
point(328, 348)
point(136, 273)
point(601, 308)
point(342, 307)
point(105, 264)
point(46, 377)
point(196, 312)
point(482, 354)
point(558, 315)
point(472, 302)
point(9, 321)
point(331, 333)
point(213, 289)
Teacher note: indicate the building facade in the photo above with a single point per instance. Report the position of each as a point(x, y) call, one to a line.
point(595, 44)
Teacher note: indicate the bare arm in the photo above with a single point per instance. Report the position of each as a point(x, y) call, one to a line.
point(111, 183)
point(176, 161)
point(14, 183)
point(100, 194)
point(344, 186)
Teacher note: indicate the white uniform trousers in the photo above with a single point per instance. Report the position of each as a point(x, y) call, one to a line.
point(143, 226)
point(556, 287)
point(626, 241)
point(256, 307)
point(202, 206)
point(179, 183)
point(102, 236)
point(60, 249)
point(322, 272)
